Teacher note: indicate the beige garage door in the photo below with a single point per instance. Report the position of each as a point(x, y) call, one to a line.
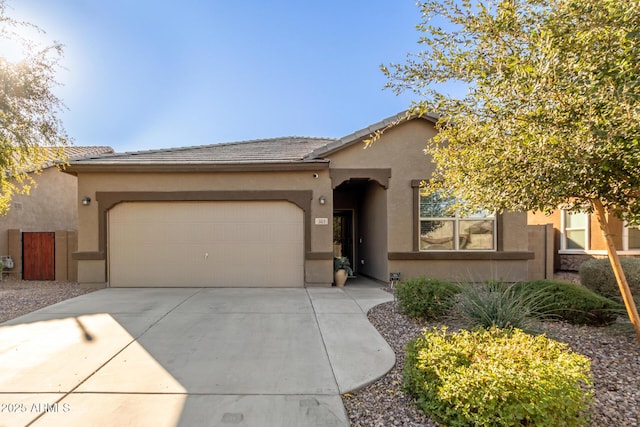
point(218, 244)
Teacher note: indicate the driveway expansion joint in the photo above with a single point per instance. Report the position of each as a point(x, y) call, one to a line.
point(199, 352)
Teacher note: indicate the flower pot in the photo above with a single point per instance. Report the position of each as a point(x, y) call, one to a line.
point(340, 277)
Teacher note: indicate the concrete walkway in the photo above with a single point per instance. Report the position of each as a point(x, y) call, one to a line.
point(192, 357)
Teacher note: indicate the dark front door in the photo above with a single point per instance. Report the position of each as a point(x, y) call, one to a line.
point(38, 256)
point(343, 235)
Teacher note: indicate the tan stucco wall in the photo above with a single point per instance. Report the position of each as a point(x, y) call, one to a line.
point(373, 232)
point(596, 240)
point(539, 218)
point(463, 271)
point(66, 267)
point(401, 149)
point(50, 206)
point(514, 232)
point(317, 272)
point(91, 272)
point(572, 260)
point(389, 226)
point(541, 241)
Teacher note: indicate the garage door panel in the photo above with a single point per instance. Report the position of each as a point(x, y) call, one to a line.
point(206, 244)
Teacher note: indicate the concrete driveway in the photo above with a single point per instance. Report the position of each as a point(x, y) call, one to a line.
point(191, 357)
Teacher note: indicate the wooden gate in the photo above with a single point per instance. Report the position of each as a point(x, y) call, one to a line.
point(38, 256)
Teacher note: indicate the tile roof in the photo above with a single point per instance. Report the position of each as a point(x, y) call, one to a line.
point(75, 152)
point(273, 150)
point(71, 153)
point(293, 149)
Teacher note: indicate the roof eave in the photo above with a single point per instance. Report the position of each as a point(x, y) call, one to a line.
point(75, 168)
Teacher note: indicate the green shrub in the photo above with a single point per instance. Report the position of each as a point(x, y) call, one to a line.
point(597, 275)
point(426, 298)
point(497, 304)
point(497, 377)
point(572, 303)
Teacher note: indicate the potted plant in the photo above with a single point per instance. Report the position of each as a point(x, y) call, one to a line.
point(341, 270)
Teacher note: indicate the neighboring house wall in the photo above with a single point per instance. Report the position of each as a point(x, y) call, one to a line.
point(588, 244)
point(51, 205)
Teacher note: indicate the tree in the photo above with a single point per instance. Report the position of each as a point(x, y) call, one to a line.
point(31, 134)
point(551, 117)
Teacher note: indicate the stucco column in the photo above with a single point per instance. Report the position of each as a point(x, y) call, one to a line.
point(15, 252)
point(61, 255)
point(72, 264)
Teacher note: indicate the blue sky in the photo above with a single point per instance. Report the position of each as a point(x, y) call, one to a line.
point(145, 74)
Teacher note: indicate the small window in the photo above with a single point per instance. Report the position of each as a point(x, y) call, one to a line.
point(631, 237)
point(575, 231)
point(443, 229)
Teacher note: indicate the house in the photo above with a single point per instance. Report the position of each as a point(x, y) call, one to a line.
point(275, 212)
point(42, 224)
point(577, 237)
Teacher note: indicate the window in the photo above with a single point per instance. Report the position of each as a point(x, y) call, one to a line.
point(631, 238)
point(575, 231)
point(442, 229)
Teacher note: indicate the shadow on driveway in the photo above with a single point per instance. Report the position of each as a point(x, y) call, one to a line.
point(169, 357)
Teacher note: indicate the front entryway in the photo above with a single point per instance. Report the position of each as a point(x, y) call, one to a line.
point(360, 226)
point(343, 235)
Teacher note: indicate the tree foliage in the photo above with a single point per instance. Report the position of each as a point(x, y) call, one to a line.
point(31, 133)
point(552, 114)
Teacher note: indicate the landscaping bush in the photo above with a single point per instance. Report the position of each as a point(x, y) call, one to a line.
point(597, 275)
point(572, 303)
point(497, 377)
point(497, 304)
point(426, 298)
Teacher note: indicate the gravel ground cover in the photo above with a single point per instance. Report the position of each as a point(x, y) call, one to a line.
point(18, 297)
point(615, 366)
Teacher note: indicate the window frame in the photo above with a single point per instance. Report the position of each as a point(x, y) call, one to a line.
point(625, 238)
point(564, 229)
point(456, 220)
